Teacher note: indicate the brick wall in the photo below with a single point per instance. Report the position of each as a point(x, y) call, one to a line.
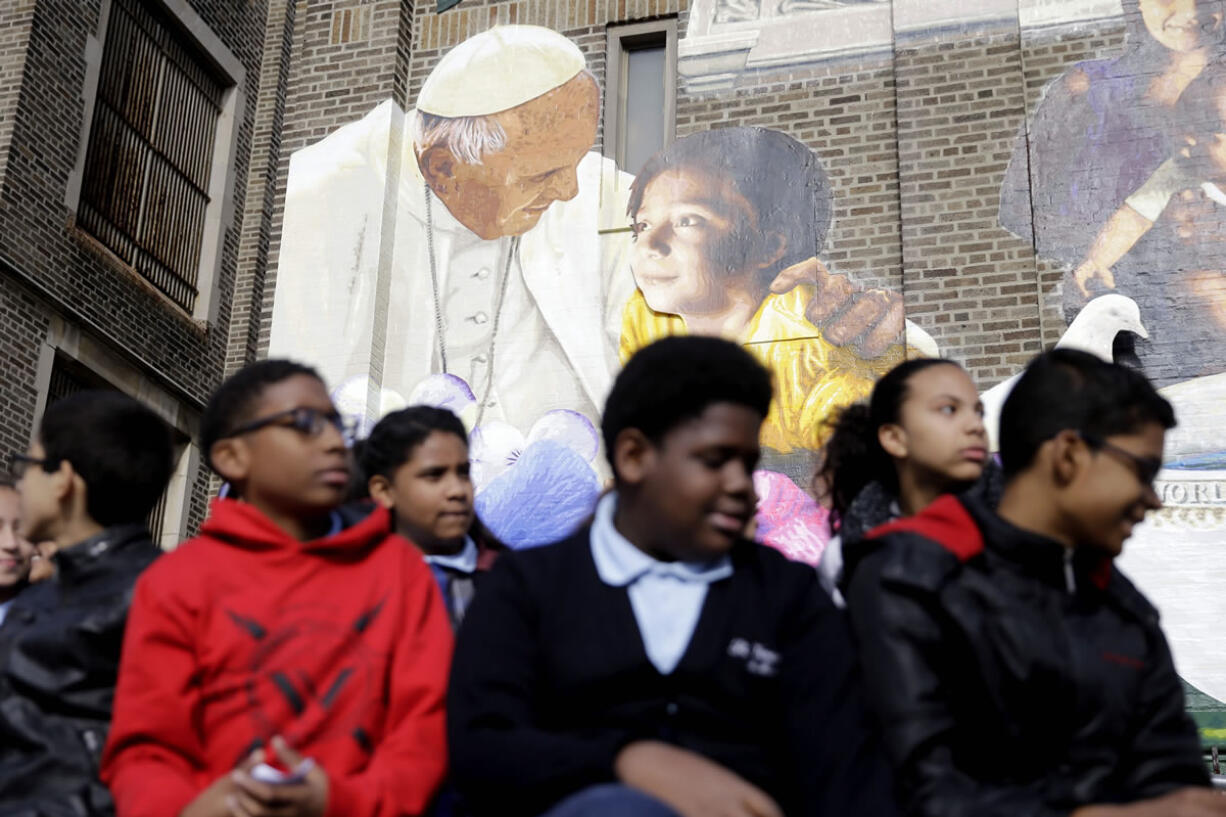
point(47, 266)
point(971, 284)
point(23, 325)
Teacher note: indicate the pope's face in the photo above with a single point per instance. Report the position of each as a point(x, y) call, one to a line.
point(507, 193)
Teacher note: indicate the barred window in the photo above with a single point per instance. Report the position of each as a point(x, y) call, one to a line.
point(145, 186)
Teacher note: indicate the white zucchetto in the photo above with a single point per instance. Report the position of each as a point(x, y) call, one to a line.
point(499, 69)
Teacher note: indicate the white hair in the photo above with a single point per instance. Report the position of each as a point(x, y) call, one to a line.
point(469, 138)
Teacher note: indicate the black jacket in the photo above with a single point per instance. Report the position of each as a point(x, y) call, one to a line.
point(59, 659)
point(1009, 678)
point(550, 680)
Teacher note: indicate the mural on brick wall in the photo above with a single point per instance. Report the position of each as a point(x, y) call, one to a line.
point(476, 253)
point(1119, 170)
point(1120, 178)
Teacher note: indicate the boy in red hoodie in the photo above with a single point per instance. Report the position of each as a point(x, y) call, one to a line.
point(283, 632)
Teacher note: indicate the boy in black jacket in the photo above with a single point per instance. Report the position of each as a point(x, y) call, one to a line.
point(1014, 671)
point(657, 663)
point(97, 468)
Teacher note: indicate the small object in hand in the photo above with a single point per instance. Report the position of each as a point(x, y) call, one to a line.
point(265, 773)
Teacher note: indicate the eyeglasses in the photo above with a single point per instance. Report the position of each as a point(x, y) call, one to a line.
point(20, 463)
point(308, 421)
point(1146, 468)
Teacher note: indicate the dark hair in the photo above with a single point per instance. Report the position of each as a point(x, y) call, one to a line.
point(392, 440)
point(119, 447)
point(781, 179)
point(7, 481)
point(853, 456)
point(235, 399)
point(1069, 389)
point(675, 379)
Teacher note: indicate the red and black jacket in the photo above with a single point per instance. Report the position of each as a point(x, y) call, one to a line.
point(1012, 676)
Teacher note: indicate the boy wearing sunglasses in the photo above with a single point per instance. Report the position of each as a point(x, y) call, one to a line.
point(288, 661)
point(1014, 670)
point(95, 470)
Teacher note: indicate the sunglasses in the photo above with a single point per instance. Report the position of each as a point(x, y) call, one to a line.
point(20, 463)
point(307, 421)
point(1146, 468)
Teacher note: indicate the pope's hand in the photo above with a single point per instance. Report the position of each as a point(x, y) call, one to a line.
point(868, 319)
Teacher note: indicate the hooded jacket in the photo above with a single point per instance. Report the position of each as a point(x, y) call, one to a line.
point(59, 656)
point(1011, 675)
point(340, 645)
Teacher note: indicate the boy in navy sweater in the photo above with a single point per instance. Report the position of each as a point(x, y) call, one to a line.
point(657, 663)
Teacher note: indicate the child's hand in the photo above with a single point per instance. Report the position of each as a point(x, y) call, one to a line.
point(872, 319)
point(689, 783)
point(251, 798)
point(215, 800)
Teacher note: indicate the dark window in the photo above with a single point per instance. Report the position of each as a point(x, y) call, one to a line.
point(640, 99)
point(144, 191)
point(643, 119)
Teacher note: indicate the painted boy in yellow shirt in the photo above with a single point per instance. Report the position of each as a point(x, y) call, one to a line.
point(716, 216)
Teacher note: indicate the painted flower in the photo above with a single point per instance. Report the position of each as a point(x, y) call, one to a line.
point(352, 399)
point(532, 488)
point(536, 488)
point(789, 520)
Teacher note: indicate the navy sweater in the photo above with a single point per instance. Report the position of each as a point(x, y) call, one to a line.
point(550, 680)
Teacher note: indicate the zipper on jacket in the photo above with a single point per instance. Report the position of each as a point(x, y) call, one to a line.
point(1070, 580)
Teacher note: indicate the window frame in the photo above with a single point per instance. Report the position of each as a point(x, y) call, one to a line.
point(620, 40)
point(220, 211)
point(75, 350)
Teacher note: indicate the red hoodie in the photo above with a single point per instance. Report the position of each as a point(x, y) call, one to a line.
point(341, 645)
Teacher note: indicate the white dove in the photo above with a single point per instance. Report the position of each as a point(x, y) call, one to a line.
point(1093, 330)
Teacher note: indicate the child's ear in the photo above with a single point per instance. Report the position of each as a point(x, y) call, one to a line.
point(772, 247)
point(380, 488)
point(632, 456)
point(231, 459)
point(67, 486)
point(1068, 456)
point(893, 439)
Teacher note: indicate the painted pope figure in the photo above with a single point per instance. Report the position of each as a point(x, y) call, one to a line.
point(479, 235)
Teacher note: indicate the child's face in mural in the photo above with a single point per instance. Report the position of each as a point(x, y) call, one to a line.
point(695, 241)
point(510, 190)
point(431, 494)
point(1183, 25)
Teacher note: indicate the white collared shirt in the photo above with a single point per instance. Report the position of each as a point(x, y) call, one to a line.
point(667, 597)
point(463, 562)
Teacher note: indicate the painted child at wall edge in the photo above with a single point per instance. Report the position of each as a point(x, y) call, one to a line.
point(716, 216)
